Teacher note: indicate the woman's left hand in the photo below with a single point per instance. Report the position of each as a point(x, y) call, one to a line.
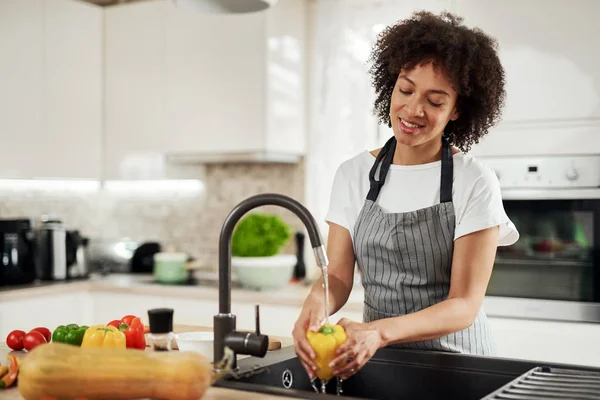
point(362, 343)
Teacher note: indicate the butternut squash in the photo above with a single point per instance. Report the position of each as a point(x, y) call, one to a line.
point(62, 371)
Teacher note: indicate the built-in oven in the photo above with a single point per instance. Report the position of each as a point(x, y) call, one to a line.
point(553, 270)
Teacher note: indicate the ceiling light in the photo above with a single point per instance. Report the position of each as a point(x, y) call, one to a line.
point(225, 6)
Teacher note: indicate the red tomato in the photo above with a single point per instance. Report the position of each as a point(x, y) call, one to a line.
point(14, 340)
point(32, 340)
point(44, 331)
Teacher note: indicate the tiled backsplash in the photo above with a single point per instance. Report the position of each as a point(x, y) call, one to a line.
point(191, 222)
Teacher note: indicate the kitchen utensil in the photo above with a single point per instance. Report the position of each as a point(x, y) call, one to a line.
point(198, 342)
point(264, 273)
point(77, 257)
point(142, 260)
point(169, 267)
point(300, 268)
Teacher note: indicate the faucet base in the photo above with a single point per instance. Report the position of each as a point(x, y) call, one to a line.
point(223, 325)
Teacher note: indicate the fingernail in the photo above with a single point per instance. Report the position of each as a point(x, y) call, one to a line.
point(314, 367)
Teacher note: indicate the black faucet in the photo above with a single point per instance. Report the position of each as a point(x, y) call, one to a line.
point(254, 344)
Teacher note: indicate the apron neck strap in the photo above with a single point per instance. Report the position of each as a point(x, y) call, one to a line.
point(447, 176)
point(387, 155)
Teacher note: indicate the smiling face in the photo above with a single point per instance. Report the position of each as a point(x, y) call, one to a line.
point(422, 103)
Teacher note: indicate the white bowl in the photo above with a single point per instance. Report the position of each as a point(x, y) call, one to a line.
point(198, 342)
point(264, 273)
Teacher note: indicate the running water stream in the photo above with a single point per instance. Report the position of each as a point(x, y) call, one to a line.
point(324, 382)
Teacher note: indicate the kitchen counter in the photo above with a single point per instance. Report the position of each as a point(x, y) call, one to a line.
point(293, 294)
point(213, 393)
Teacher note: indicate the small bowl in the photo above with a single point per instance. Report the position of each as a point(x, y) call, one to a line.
point(198, 342)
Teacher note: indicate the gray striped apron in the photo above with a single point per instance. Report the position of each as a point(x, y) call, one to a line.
point(405, 259)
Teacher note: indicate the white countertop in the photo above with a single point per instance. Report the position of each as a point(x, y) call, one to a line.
point(293, 294)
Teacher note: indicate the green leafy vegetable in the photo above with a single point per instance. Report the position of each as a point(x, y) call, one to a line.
point(259, 235)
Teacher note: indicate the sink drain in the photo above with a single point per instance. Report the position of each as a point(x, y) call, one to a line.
point(287, 379)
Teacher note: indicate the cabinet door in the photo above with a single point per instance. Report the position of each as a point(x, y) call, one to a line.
point(47, 310)
point(561, 342)
point(72, 138)
point(21, 82)
point(134, 44)
point(286, 77)
point(549, 52)
point(215, 82)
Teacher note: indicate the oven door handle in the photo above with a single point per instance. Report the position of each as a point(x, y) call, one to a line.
point(551, 194)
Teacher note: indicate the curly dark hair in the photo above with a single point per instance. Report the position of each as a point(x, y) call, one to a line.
point(467, 56)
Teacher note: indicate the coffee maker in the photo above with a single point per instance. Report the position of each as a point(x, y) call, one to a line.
point(51, 252)
point(17, 262)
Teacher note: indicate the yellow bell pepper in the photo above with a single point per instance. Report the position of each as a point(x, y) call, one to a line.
point(324, 343)
point(101, 336)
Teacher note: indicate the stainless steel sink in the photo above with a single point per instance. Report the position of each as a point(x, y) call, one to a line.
point(391, 374)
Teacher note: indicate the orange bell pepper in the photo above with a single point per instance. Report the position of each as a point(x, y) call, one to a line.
point(101, 336)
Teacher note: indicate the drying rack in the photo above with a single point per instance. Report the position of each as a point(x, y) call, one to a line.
point(550, 383)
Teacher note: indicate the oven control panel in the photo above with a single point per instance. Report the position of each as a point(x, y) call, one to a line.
point(546, 172)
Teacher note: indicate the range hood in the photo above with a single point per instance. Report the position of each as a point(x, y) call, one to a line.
point(232, 158)
point(225, 6)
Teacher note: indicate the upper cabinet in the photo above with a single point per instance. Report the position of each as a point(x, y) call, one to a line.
point(50, 99)
point(73, 89)
point(21, 80)
point(552, 66)
point(202, 87)
point(134, 96)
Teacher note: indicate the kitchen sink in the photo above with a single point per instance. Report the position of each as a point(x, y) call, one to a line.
point(390, 374)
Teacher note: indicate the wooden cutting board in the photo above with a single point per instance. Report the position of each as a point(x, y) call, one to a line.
point(274, 343)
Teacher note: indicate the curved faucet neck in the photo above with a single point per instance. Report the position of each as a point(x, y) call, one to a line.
point(233, 218)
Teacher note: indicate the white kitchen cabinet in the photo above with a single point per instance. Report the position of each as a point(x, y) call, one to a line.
point(552, 75)
point(134, 49)
point(21, 82)
point(561, 342)
point(48, 311)
point(72, 129)
point(50, 93)
point(235, 83)
point(183, 85)
point(215, 81)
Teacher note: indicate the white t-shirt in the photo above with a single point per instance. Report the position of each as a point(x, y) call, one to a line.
point(476, 194)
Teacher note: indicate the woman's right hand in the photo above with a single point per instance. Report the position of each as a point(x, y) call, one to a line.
point(311, 317)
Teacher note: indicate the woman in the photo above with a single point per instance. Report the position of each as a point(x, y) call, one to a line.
point(420, 218)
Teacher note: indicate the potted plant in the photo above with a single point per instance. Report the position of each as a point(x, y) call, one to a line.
point(255, 246)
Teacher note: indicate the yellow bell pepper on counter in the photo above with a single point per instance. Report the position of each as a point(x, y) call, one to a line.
point(101, 336)
point(324, 343)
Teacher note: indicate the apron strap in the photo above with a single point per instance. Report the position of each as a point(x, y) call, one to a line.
point(447, 176)
point(387, 154)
